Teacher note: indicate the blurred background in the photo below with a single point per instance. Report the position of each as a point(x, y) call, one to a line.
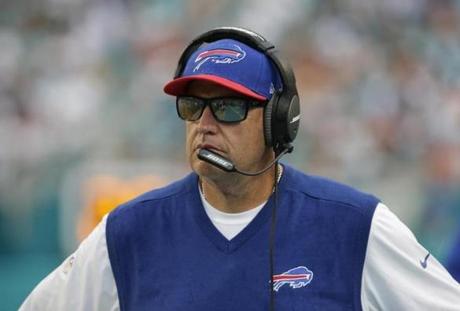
point(84, 124)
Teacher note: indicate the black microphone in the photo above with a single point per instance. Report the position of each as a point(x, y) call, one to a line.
point(228, 166)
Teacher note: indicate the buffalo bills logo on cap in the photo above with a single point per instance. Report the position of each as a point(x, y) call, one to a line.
point(220, 56)
point(296, 278)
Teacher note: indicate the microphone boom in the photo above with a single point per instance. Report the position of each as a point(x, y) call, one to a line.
point(227, 165)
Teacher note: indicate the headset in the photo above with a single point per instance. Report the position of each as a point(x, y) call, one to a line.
point(282, 112)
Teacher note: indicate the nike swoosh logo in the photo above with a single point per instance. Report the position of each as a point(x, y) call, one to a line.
point(424, 263)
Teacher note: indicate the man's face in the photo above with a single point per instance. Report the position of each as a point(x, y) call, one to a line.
point(242, 142)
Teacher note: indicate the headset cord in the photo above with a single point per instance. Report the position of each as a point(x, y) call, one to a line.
point(272, 237)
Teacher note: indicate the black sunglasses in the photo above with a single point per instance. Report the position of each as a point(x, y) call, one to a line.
point(224, 109)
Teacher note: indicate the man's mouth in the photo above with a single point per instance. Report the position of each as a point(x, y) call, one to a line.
point(209, 147)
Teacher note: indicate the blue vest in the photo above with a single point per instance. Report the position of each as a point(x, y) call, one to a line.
point(166, 254)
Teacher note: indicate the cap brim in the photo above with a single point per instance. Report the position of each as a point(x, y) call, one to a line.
point(178, 86)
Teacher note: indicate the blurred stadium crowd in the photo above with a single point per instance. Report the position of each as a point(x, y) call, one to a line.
point(81, 86)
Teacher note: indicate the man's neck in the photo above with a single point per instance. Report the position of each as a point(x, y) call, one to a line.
point(238, 193)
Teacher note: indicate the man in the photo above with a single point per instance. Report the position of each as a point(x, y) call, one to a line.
point(218, 240)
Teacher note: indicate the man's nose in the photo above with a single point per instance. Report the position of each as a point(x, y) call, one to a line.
point(207, 117)
point(207, 122)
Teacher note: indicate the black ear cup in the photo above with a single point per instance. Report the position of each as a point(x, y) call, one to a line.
point(293, 119)
point(282, 113)
point(286, 120)
point(281, 122)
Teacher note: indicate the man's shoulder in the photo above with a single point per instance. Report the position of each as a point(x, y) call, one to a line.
point(320, 188)
point(159, 195)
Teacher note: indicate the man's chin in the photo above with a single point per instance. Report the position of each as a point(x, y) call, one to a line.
point(203, 168)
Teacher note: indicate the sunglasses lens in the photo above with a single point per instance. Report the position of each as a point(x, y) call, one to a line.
point(189, 108)
point(226, 109)
point(229, 109)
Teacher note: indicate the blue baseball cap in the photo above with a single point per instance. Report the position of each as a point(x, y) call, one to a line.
point(231, 64)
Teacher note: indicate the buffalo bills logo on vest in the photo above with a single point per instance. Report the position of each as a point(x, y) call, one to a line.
point(220, 56)
point(296, 278)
